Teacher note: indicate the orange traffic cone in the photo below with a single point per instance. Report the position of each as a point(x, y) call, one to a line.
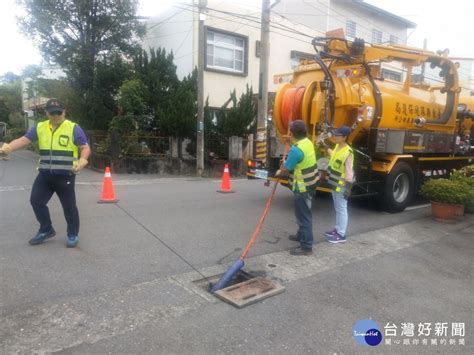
point(108, 193)
point(225, 184)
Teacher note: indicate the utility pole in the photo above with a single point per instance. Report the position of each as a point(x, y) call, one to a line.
point(200, 91)
point(425, 46)
point(261, 152)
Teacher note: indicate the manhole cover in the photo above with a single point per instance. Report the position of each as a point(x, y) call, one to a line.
point(250, 291)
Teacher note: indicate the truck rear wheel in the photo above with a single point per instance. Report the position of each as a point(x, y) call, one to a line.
point(398, 188)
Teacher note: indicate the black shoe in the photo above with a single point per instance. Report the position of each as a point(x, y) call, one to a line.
point(40, 237)
point(301, 252)
point(294, 238)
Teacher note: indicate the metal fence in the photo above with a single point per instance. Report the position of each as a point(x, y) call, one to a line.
point(139, 145)
point(128, 145)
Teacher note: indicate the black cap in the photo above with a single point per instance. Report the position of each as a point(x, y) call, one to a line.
point(298, 128)
point(342, 131)
point(54, 105)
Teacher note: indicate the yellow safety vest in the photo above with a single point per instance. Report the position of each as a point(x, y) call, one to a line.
point(337, 168)
point(57, 149)
point(305, 174)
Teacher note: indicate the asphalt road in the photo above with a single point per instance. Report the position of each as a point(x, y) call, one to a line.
point(124, 290)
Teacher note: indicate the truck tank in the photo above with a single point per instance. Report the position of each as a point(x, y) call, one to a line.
point(402, 130)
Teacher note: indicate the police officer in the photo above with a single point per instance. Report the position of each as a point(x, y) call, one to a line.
point(63, 153)
point(341, 176)
point(301, 167)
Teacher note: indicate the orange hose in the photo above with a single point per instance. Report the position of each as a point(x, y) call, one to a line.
point(258, 229)
point(298, 101)
point(256, 233)
point(287, 107)
point(291, 105)
point(290, 110)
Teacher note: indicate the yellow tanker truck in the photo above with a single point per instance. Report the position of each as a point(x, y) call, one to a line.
point(403, 132)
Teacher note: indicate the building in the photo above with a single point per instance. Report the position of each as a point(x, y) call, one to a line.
point(232, 35)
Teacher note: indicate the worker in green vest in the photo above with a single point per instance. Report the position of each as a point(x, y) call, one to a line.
point(341, 177)
point(301, 169)
point(64, 151)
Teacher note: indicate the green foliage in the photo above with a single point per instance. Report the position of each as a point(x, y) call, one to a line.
point(62, 90)
point(88, 39)
point(14, 133)
point(446, 191)
point(10, 101)
point(178, 119)
point(158, 73)
point(465, 177)
point(240, 119)
point(221, 124)
point(465, 172)
point(133, 145)
point(132, 97)
point(123, 124)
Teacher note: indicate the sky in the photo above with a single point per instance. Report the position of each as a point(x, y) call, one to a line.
point(445, 24)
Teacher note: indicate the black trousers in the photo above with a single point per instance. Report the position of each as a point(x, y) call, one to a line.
point(43, 188)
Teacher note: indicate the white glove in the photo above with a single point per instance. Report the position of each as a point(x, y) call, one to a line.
point(79, 165)
point(5, 149)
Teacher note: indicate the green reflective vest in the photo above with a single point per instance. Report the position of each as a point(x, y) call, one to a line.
point(57, 148)
point(337, 168)
point(305, 174)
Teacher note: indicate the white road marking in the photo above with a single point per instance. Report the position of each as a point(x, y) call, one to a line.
point(130, 182)
point(417, 207)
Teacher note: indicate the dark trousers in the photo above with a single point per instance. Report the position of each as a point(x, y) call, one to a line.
point(43, 188)
point(304, 218)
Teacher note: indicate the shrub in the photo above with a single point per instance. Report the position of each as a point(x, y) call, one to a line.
point(446, 191)
point(465, 177)
point(14, 133)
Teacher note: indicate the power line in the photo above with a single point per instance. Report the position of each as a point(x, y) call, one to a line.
point(257, 21)
point(184, 39)
point(165, 20)
point(323, 15)
point(166, 35)
point(226, 20)
point(253, 19)
point(250, 18)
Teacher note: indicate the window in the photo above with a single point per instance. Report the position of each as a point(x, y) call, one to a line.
point(391, 75)
point(351, 29)
point(225, 51)
point(393, 39)
point(376, 36)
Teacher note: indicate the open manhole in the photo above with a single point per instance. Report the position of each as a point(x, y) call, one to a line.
point(244, 288)
point(239, 277)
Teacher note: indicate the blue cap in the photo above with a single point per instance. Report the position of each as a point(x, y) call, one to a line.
point(342, 131)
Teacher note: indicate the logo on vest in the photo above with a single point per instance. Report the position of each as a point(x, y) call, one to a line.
point(63, 140)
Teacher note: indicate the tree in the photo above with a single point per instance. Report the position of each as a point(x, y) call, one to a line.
point(82, 36)
point(11, 103)
point(240, 119)
point(180, 116)
point(132, 97)
point(158, 73)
